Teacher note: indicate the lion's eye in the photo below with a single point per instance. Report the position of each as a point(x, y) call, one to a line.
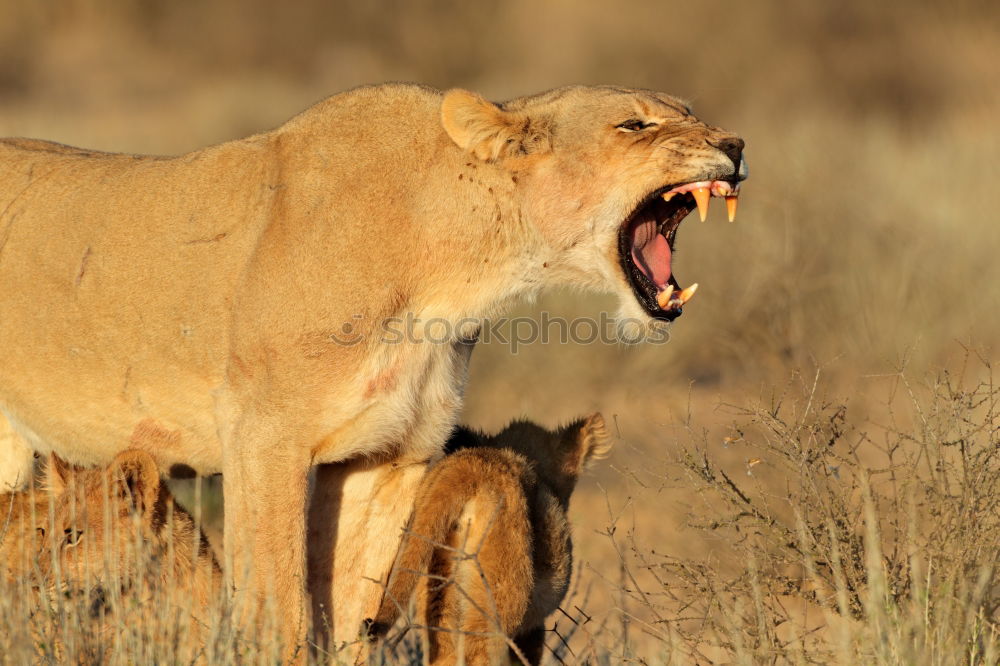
point(634, 125)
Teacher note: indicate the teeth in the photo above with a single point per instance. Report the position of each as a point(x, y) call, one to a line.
point(731, 203)
point(663, 298)
point(701, 196)
point(669, 299)
point(686, 295)
point(721, 188)
point(703, 191)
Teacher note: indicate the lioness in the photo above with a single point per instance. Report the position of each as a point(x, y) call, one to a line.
point(489, 540)
point(226, 310)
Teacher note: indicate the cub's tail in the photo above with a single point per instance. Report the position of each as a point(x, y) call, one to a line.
point(440, 501)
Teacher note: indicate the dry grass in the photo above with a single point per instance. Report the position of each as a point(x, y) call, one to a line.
point(823, 541)
point(866, 242)
point(831, 542)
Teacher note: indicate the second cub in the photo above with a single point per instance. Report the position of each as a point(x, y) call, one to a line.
point(490, 540)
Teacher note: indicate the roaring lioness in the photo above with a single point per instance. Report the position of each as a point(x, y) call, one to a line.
point(489, 544)
point(225, 310)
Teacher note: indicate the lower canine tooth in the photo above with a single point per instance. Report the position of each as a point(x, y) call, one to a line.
point(663, 298)
point(731, 203)
point(686, 295)
point(701, 196)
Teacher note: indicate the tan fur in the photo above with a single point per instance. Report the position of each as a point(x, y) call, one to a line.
point(16, 459)
point(120, 525)
point(504, 500)
point(24, 520)
point(357, 511)
point(190, 306)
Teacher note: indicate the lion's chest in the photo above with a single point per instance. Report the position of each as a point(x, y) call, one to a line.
point(403, 404)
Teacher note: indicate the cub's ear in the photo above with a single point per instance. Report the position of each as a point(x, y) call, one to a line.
point(489, 132)
point(589, 441)
point(56, 475)
point(135, 481)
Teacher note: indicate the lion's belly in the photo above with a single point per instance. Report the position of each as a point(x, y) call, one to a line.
point(405, 409)
point(87, 415)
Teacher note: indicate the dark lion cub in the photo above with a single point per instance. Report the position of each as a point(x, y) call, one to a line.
point(489, 540)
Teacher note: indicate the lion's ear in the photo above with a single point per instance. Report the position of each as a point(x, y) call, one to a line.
point(135, 482)
point(586, 440)
point(56, 474)
point(489, 132)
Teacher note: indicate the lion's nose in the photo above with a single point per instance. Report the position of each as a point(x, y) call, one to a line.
point(732, 146)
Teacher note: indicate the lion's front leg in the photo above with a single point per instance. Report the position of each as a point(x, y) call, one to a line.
point(16, 458)
point(265, 468)
point(356, 516)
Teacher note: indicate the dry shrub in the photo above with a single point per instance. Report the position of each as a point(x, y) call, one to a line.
point(871, 543)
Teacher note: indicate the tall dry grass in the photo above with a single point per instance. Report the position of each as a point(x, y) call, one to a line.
point(813, 536)
point(823, 542)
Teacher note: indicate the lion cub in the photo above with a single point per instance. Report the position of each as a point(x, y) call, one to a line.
point(120, 524)
point(490, 539)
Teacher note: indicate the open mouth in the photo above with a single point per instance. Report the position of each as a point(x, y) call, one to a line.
point(647, 238)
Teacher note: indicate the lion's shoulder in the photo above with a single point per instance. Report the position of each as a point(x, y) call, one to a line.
point(373, 110)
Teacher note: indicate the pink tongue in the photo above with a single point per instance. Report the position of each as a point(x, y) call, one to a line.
point(651, 253)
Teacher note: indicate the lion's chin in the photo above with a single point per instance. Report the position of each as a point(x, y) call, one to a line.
point(635, 325)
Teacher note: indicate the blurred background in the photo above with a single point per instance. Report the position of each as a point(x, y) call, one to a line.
point(867, 238)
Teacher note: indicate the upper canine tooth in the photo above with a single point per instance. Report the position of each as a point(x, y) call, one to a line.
point(663, 298)
point(701, 196)
point(686, 295)
point(731, 202)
